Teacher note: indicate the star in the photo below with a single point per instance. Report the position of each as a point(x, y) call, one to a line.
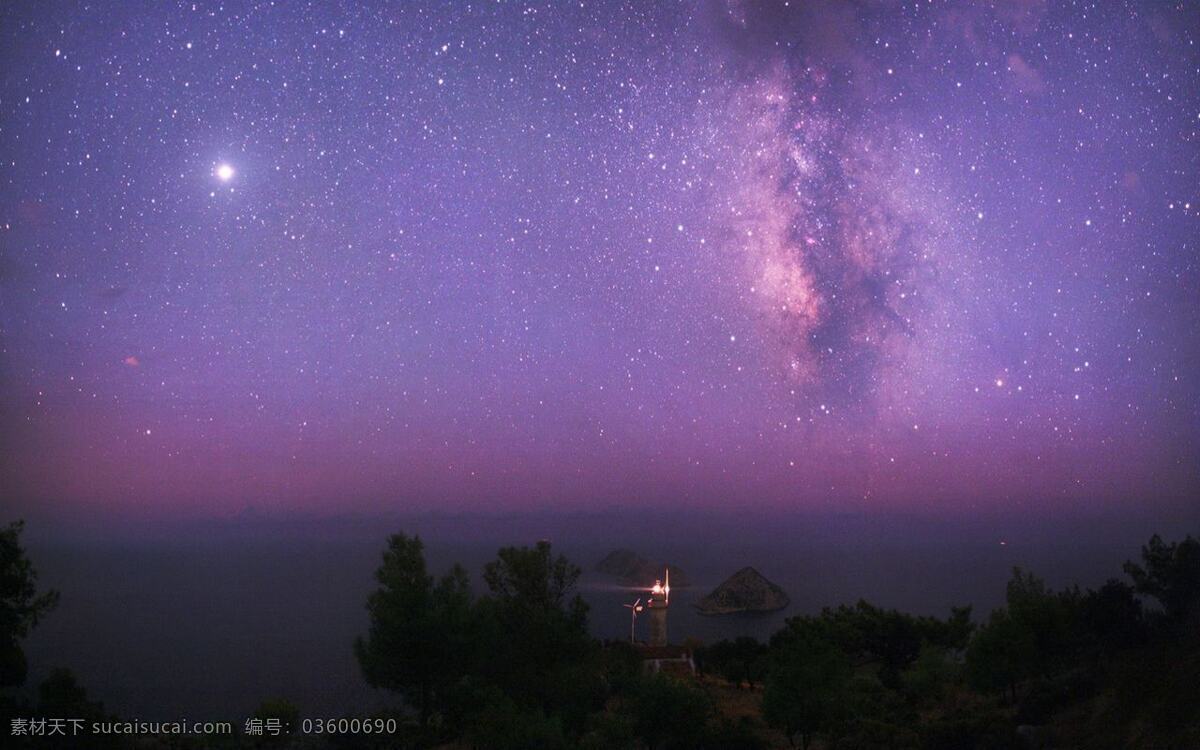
point(224, 172)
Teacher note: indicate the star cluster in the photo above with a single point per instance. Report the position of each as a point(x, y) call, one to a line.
point(356, 256)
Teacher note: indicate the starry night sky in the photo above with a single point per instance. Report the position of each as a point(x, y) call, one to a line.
point(353, 256)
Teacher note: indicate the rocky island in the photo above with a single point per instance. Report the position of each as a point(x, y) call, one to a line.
point(636, 570)
point(744, 591)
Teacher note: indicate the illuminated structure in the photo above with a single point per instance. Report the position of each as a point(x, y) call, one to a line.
point(660, 598)
point(660, 592)
point(657, 654)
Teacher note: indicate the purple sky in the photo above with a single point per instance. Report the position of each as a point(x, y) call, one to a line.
point(357, 256)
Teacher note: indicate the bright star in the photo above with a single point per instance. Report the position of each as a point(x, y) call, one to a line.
point(224, 172)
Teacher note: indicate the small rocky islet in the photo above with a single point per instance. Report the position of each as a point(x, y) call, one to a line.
point(745, 591)
point(635, 570)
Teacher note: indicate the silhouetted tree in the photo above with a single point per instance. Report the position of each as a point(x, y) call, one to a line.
point(418, 628)
point(60, 695)
point(1048, 619)
point(888, 638)
point(951, 634)
point(620, 664)
point(872, 716)
point(741, 660)
point(283, 711)
point(535, 635)
point(1170, 573)
point(806, 687)
point(533, 578)
point(929, 677)
point(21, 606)
point(502, 724)
point(665, 712)
point(1035, 635)
point(1001, 655)
point(1110, 619)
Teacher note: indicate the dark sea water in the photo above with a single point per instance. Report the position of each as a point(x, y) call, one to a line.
point(206, 620)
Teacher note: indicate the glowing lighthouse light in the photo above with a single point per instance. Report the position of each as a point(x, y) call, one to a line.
point(660, 592)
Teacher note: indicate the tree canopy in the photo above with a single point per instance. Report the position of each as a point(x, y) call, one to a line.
point(21, 604)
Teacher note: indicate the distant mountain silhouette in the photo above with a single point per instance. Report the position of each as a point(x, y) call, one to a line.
point(744, 591)
point(636, 570)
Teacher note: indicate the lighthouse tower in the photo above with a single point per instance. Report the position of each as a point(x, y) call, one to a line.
point(660, 598)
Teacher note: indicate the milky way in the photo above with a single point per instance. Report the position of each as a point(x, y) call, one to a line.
point(840, 250)
point(366, 256)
